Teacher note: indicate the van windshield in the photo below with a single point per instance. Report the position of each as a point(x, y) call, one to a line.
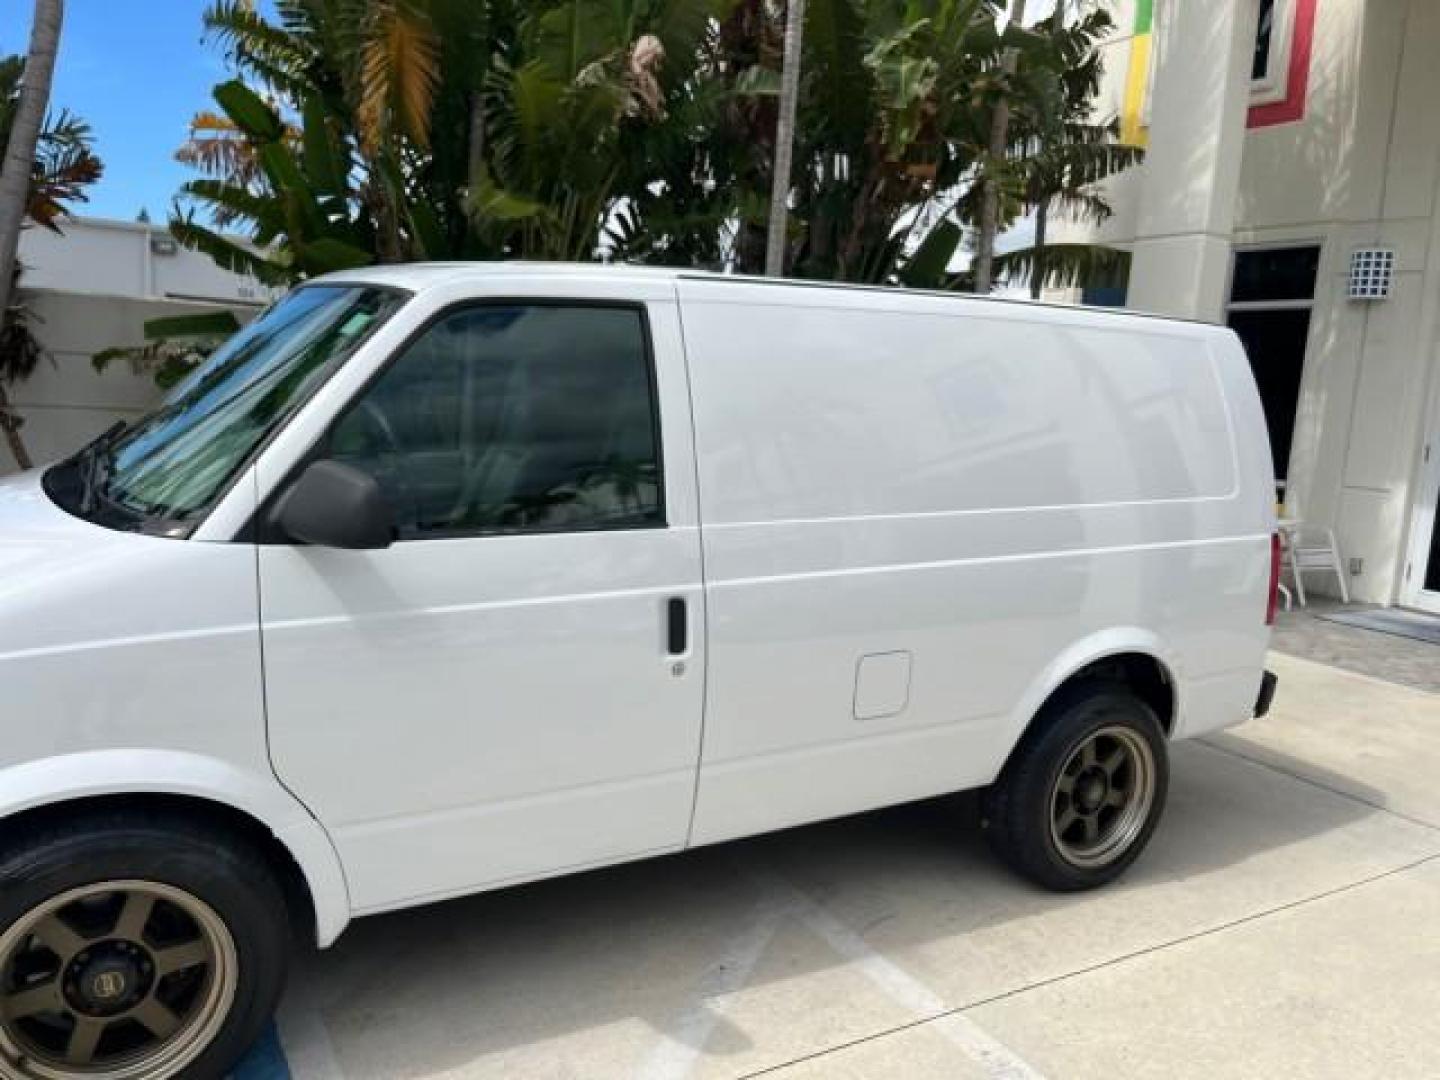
point(161, 474)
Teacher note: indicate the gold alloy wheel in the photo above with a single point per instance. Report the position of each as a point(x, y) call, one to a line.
point(1103, 797)
point(119, 980)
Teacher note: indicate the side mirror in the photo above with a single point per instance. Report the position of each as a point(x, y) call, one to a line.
point(336, 505)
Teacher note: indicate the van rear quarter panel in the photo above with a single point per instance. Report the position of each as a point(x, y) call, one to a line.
point(1002, 492)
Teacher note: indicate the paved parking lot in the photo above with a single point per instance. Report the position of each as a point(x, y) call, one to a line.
point(1285, 921)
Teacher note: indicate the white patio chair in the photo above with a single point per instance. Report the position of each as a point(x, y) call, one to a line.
point(1307, 548)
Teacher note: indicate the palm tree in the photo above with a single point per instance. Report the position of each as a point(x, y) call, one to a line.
point(1061, 153)
point(893, 119)
point(990, 174)
point(15, 179)
point(785, 137)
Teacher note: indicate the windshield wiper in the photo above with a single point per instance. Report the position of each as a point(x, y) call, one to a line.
point(95, 465)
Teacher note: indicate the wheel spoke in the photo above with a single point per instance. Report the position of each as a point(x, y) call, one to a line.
point(1067, 819)
point(1091, 829)
point(58, 938)
point(130, 926)
point(180, 957)
point(1112, 761)
point(1117, 798)
point(1066, 784)
point(38, 999)
point(84, 1039)
point(1087, 755)
point(156, 1018)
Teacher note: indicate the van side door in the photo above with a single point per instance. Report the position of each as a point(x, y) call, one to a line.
point(513, 687)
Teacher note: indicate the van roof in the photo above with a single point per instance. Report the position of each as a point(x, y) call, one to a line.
point(419, 276)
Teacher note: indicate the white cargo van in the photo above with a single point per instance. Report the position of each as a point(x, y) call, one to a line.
point(439, 578)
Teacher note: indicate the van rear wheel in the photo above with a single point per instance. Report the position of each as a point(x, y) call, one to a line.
point(1083, 791)
point(132, 948)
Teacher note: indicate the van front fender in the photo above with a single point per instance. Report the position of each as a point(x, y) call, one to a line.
point(54, 781)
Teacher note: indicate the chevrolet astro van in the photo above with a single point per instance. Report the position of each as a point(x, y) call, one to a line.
point(440, 578)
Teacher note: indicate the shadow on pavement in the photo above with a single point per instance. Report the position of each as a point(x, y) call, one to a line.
point(418, 992)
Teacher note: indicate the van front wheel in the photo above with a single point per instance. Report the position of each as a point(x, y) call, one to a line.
point(135, 948)
point(1084, 790)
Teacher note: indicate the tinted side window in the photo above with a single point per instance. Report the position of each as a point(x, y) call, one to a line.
point(513, 418)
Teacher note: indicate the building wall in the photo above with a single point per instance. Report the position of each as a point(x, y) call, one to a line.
point(93, 288)
point(1359, 168)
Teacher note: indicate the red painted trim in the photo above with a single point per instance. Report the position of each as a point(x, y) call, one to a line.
point(1297, 81)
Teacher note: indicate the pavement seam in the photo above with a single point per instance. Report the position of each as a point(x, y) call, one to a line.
point(1282, 771)
point(996, 1060)
point(1089, 969)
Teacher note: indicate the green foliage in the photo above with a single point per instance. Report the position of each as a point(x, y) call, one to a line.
point(65, 166)
point(1067, 265)
point(641, 129)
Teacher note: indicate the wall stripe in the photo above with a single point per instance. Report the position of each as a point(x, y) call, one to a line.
point(1133, 129)
point(1297, 76)
point(1144, 14)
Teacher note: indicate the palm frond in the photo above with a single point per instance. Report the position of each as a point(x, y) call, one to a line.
point(228, 253)
point(219, 150)
point(1066, 266)
point(399, 73)
point(277, 56)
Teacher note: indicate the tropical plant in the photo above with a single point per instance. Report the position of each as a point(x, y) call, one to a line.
point(60, 165)
point(1061, 157)
point(895, 122)
point(991, 173)
point(641, 130)
point(891, 104)
point(902, 115)
point(404, 129)
point(697, 186)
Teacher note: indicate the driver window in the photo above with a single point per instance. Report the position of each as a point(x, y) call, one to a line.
point(510, 418)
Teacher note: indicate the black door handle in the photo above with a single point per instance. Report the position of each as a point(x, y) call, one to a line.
point(677, 626)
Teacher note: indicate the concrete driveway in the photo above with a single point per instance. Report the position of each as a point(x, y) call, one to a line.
point(1285, 921)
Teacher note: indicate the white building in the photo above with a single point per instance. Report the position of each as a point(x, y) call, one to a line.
point(1286, 138)
point(95, 287)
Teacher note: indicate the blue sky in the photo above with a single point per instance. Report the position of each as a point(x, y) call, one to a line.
point(137, 71)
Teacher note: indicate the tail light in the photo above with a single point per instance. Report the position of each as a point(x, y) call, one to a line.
point(1271, 603)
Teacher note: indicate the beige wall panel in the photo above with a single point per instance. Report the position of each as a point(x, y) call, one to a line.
point(1382, 416)
point(1367, 523)
point(1415, 150)
point(1327, 393)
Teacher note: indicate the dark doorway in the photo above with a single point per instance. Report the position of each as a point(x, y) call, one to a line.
point(1432, 564)
point(1271, 293)
point(1275, 341)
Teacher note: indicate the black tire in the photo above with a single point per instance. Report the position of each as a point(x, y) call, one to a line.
point(1025, 809)
point(225, 874)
